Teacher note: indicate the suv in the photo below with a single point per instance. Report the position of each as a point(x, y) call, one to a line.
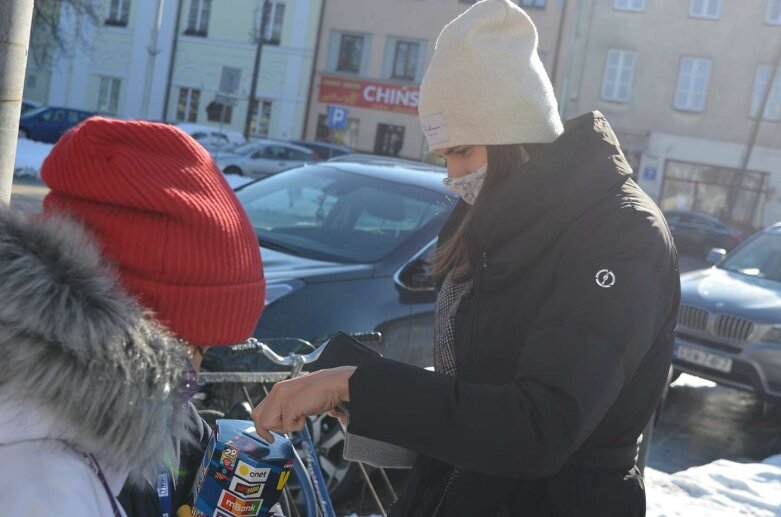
point(729, 328)
point(48, 124)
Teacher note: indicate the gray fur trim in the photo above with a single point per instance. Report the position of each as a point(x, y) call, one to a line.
point(73, 343)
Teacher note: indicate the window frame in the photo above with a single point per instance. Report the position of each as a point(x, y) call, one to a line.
point(395, 62)
point(200, 27)
point(112, 93)
point(118, 13)
point(191, 108)
point(623, 53)
point(774, 97)
point(704, 15)
point(691, 93)
point(277, 9)
point(618, 6)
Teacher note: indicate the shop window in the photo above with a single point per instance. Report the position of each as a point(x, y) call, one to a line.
point(347, 137)
point(261, 117)
point(389, 140)
point(108, 95)
point(187, 107)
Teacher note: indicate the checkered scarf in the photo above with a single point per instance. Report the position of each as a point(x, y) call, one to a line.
point(449, 298)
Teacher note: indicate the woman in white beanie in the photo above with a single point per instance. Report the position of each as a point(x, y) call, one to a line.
point(558, 300)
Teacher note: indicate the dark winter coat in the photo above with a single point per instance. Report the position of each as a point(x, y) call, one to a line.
point(562, 349)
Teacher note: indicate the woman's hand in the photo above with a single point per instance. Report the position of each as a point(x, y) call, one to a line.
point(288, 404)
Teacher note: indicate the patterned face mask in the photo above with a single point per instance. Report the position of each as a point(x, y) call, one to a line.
point(468, 187)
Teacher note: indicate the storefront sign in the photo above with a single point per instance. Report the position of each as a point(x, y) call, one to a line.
point(369, 94)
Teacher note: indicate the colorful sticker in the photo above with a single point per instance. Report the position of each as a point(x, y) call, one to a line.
point(197, 513)
point(237, 506)
point(252, 474)
point(228, 458)
point(246, 490)
point(283, 477)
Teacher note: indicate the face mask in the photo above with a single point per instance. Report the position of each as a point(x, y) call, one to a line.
point(468, 187)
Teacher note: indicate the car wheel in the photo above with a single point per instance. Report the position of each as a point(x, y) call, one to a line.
point(23, 134)
point(234, 170)
point(340, 474)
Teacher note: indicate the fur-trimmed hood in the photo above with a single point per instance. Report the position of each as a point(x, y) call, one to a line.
point(80, 352)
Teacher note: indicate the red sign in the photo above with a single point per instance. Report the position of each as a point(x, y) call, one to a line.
point(369, 94)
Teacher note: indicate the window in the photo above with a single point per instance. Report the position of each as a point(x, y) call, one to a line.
point(350, 54)
point(347, 137)
point(198, 18)
point(219, 111)
point(261, 119)
point(389, 140)
point(405, 60)
point(773, 14)
point(692, 84)
point(187, 107)
point(108, 95)
point(761, 83)
point(619, 72)
point(705, 9)
point(118, 13)
point(274, 15)
point(532, 3)
point(629, 5)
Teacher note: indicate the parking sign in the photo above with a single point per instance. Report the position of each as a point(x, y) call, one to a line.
point(337, 117)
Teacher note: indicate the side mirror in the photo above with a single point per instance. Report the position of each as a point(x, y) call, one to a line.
point(414, 277)
point(716, 255)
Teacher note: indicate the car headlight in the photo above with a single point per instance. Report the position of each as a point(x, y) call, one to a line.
point(773, 335)
point(279, 290)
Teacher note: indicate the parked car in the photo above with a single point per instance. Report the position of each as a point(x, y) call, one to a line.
point(323, 150)
point(373, 159)
point(213, 139)
point(47, 124)
point(345, 247)
point(260, 158)
point(28, 105)
point(730, 318)
point(696, 234)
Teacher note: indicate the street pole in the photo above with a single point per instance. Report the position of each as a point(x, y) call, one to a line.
point(256, 69)
point(313, 70)
point(732, 194)
point(153, 50)
point(16, 18)
point(172, 62)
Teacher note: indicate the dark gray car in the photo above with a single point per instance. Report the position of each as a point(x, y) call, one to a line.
point(260, 158)
point(730, 320)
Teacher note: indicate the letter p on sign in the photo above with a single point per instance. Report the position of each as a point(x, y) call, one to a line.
point(337, 117)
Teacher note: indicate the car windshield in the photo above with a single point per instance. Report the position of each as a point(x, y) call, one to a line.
point(245, 149)
point(329, 214)
point(759, 257)
point(36, 111)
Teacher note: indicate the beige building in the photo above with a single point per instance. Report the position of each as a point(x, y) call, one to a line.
point(682, 82)
point(371, 57)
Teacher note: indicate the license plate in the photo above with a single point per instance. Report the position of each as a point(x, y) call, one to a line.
point(713, 361)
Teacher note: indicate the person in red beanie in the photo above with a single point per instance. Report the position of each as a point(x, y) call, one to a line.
point(142, 246)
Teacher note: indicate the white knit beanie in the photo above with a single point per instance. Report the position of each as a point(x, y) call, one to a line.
point(486, 84)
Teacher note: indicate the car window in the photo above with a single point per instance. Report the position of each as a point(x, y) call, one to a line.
point(73, 117)
point(46, 114)
point(58, 116)
point(199, 135)
point(673, 218)
point(295, 154)
point(275, 152)
point(327, 214)
point(759, 257)
point(84, 115)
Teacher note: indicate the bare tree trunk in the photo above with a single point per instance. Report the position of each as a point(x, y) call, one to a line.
point(15, 21)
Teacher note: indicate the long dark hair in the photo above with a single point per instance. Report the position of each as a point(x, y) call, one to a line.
point(452, 255)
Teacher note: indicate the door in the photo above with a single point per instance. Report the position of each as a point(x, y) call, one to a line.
point(277, 157)
point(389, 140)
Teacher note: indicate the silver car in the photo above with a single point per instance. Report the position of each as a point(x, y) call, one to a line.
point(729, 329)
point(261, 158)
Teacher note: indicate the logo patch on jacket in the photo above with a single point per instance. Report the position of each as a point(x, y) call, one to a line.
point(606, 278)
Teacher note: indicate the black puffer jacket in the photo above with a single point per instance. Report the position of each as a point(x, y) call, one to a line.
point(562, 349)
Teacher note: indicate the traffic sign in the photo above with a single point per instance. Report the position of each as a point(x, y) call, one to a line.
point(337, 117)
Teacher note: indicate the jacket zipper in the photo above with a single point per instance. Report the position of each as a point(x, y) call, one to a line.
point(483, 265)
point(453, 476)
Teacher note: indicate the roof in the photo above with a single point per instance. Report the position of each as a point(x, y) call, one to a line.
point(430, 179)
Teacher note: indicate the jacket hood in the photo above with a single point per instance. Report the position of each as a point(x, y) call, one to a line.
point(539, 201)
point(78, 350)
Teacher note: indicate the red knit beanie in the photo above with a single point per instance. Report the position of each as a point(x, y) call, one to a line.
point(164, 214)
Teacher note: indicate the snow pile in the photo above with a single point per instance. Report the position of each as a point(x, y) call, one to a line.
point(29, 157)
point(720, 489)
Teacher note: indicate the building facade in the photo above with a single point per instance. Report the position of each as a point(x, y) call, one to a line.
point(682, 82)
point(371, 57)
point(187, 61)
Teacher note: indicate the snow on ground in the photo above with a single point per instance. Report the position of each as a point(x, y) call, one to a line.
point(29, 157)
point(720, 489)
point(690, 381)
